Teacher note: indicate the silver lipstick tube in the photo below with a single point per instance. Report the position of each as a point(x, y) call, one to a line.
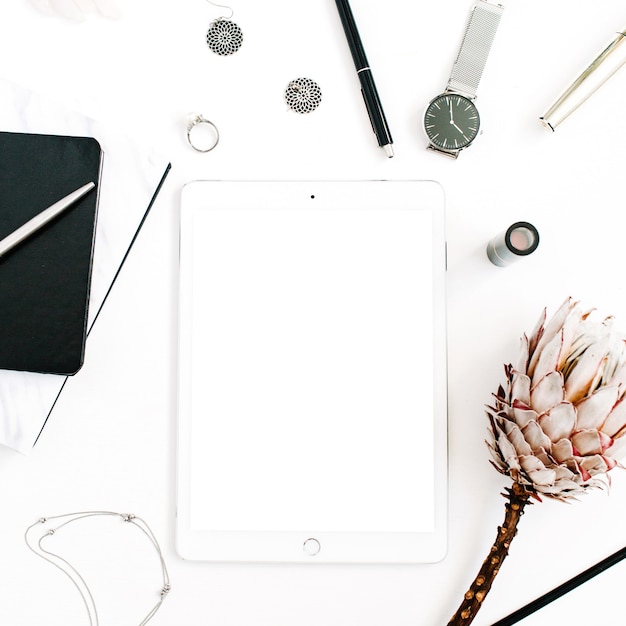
point(590, 80)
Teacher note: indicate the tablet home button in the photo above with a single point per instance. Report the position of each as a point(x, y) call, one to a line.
point(311, 546)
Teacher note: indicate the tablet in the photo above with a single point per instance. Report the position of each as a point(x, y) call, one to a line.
point(312, 372)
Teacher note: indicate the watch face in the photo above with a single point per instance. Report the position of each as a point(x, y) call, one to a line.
point(451, 122)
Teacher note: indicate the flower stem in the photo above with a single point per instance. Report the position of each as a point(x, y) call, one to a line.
point(517, 499)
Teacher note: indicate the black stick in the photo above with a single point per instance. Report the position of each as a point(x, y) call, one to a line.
point(561, 590)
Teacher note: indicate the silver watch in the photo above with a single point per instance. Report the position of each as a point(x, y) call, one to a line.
point(451, 120)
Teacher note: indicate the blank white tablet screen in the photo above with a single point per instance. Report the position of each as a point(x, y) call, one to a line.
point(312, 370)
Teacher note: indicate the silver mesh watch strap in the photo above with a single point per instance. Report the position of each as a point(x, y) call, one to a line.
point(479, 35)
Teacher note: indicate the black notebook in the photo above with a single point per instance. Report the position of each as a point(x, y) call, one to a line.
point(45, 280)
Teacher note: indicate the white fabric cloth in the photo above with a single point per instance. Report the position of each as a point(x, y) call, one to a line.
point(78, 10)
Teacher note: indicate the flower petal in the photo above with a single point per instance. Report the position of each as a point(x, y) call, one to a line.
point(524, 351)
point(535, 437)
point(549, 357)
point(594, 409)
point(618, 449)
point(520, 387)
point(559, 421)
point(502, 449)
point(548, 392)
point(594, 465)
point(542, 478)
point(544, 456)
point(619, 377)
point(616, 420)
point(507, 453)
point(517, 439)
point(590, 442)
point(563, 450)
point(564, 473)
point(523, 415)
point(585, 371)
point(566, 480)
point(571, 328)
point(553, 328)
point(537, 471)
point(537, 332)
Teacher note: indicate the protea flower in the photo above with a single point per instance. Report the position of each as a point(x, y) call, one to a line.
point(558, 427)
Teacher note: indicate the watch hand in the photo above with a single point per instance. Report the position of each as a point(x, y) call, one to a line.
point(455, 126)
point(451, 114)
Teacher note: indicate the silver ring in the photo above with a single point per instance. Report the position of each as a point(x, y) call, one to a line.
point(193, 120)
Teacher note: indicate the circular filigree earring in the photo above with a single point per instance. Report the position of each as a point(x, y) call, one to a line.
point(224, 37)
point(303, 95)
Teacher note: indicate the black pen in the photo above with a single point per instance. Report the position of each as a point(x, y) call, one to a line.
point(368, 87)
point(561, 590)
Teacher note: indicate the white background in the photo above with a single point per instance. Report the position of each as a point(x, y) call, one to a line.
point(110, 442)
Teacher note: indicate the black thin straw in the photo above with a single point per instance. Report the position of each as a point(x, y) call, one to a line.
point(561, 590)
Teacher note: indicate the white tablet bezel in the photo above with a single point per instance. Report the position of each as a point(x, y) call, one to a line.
point(310, 545)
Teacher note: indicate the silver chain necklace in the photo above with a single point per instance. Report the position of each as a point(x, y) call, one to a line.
point(72, 573)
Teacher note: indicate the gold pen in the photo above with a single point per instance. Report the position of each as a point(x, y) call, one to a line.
point(606, 63)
